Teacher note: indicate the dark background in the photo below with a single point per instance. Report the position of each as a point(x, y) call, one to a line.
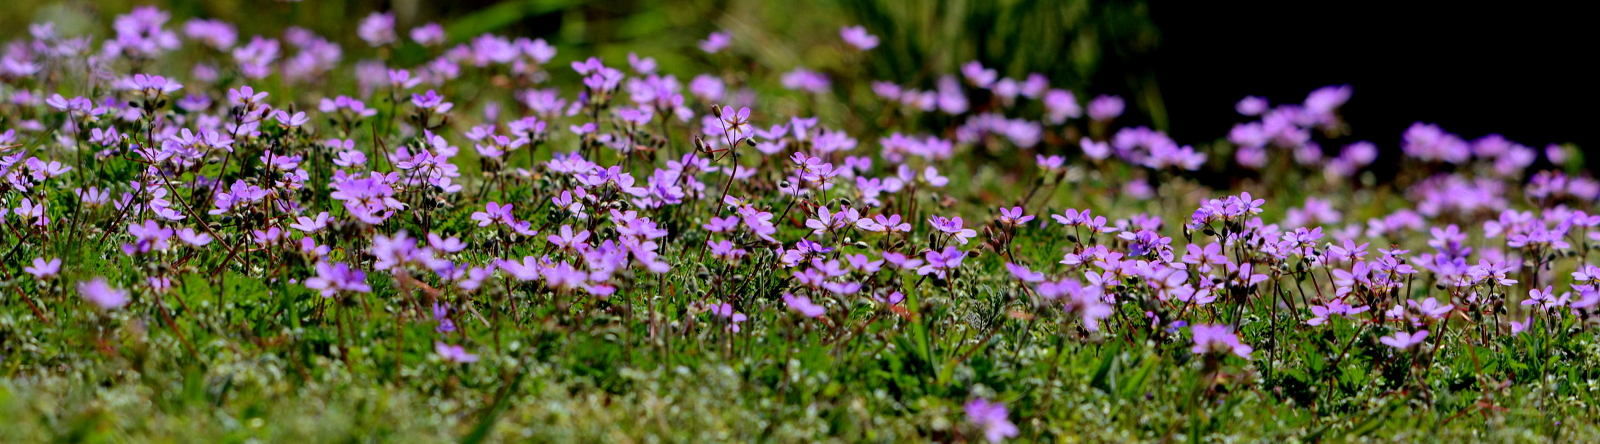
point(1513, 68)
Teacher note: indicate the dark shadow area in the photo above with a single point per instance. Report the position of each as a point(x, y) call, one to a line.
point(1512, 69)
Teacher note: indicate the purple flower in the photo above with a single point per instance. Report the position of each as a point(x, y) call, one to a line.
point(1251, 106)
point(430, 34)
point(441, 314)
point(716, 42)
point(991, 418)
point(453, 353)
point(1430, 307)
point(738, 123)
point(1218, 338)
point(1403, 340)
point(568, 240)
point(1050, 163)
point(331, 279)
point(43, 269)
point(842, 288)
point(28, 210)
point(978, 75)
point(103, 294)
point(1519, 327)
point(564, 276)
point(1095, 150)
point(148, 237)
point(494, 212)
point(1321, 103)
point(1085, 302)
point(879, 223)
point(901, 261)
point(149, 85)
point(803, 305)
point(802, 79)
point(1204, 258)
point(721, 224)
point(1023, 273)
point(215, 33)
point(311, 225)
point(377, 29)
point(193, 238)
point(858, 37)
point(140, 33)
point(725, 311)
point(1060, 105)
point(813, 169)
point(953, 226)
point(431, 101)
point(1104, 107)
point(892, 299)
point(939, 261)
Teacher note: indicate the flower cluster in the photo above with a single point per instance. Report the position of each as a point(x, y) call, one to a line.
point(639, 209)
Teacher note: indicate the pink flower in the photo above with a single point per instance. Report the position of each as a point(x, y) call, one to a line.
point(1430, 307)
point(1104, 107)
point(1519, 327)
point(568, 240)
point(1023, 273)
point(953, 226)
point(991, 418)
point(858, 37)
point(716, 42)
point(453, 353)
point(1013, 216)
point(331, 279)
point(1218, 338)
point(103, 294)
point(803, 305)
point(43, 269)
point(1403, 340)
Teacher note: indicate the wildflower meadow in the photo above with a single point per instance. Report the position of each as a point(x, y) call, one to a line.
point(207, 236)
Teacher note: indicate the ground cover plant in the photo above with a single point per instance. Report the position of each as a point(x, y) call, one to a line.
point(217, 238)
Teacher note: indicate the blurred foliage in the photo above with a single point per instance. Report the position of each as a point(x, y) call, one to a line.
point(1075, 43)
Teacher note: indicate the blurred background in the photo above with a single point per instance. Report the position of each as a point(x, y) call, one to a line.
point(1511, 69)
